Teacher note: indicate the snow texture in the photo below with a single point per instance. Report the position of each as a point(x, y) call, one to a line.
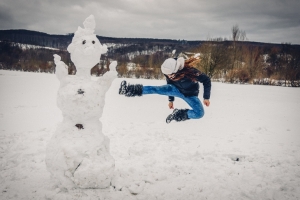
point(78, 153)
point(246, 146)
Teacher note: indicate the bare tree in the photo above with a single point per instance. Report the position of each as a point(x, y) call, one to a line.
point(237, 35)
point(253, 60)
point(214, 57)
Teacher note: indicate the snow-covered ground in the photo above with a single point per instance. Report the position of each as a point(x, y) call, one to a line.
point(246, 146)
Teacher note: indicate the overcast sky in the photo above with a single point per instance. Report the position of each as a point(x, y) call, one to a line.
point(274, 21)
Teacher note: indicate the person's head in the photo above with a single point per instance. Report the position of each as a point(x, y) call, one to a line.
point(171, 65)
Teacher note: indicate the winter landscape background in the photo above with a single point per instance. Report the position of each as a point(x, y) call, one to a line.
point(236, 59)
point(246, 146)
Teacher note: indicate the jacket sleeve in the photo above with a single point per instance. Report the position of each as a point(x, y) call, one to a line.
point(171, 98)
point(205, 80)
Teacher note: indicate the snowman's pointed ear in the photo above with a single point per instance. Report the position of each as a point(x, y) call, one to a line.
point(89, 23)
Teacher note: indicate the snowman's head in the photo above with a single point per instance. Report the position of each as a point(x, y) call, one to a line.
point(85, 48)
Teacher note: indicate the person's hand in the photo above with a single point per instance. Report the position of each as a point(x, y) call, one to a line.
point(206, 102)
point(171, 105)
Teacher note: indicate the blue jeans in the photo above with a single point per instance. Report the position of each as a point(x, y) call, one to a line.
point(170, 90)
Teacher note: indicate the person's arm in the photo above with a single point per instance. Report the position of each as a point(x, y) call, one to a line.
point(171, 98)
point(171, 105)
point(205, 80)
point(206, 102)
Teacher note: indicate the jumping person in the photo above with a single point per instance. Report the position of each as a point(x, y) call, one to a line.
point(182, 81)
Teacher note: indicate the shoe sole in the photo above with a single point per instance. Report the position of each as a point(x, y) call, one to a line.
point(171, 117)
point(121, 90)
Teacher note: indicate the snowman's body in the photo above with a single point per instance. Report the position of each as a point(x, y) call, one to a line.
point(78, 153)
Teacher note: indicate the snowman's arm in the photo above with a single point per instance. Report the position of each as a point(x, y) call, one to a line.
point(109, 76)
point(104, 49)
point(61, 69)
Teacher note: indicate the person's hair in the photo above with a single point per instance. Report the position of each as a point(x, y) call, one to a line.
point(190, 62)
point(188, 71)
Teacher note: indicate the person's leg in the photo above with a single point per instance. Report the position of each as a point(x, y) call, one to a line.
point(197, 110)
point(130, 90)
point(197, 107)
point(168, 90)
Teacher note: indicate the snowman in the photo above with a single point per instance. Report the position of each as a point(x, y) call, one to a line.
point(78, 152)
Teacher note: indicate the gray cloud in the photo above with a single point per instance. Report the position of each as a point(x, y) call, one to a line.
point(263, 20)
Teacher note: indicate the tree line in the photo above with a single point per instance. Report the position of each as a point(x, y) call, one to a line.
point(238, 61)
point(15, 57)
point(233, 60)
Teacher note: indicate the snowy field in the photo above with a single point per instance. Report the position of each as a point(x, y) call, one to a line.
point(247, 146)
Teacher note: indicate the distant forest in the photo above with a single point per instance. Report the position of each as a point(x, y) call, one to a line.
point(233, 60)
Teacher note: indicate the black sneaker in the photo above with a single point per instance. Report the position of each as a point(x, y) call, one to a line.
point(172, 115)
point(123, 88)
point(178, 115)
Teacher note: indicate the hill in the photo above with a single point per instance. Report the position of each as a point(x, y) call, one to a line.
point(221, 59)
point(62, 41)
